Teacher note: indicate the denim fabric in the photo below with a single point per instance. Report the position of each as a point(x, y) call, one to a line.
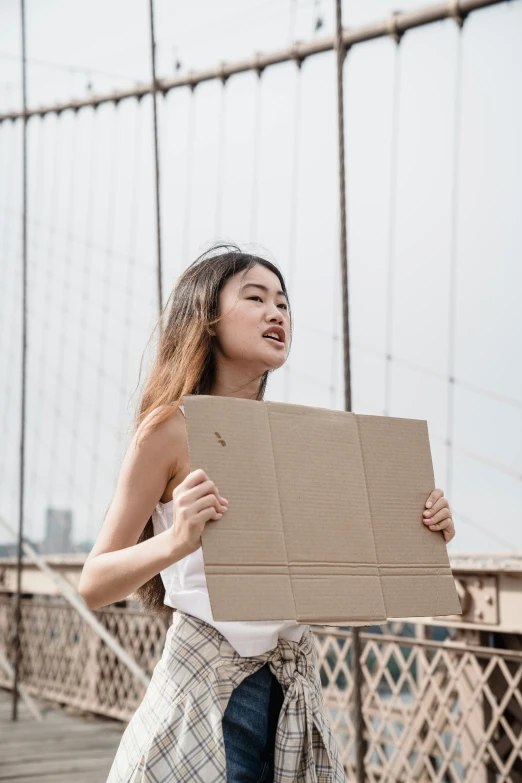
point(249, 727)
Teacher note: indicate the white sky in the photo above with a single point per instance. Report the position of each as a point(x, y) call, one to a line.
point(91, 215)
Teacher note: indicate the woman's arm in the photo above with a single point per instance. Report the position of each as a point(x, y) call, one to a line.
point(117, 565)
point(113, 576)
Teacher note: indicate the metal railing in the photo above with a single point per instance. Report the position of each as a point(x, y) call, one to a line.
point(434, 709)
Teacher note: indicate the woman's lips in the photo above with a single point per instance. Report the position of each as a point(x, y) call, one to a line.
point(279, 343)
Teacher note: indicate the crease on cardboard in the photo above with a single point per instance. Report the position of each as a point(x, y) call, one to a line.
point(191, 468)
point(267, 409)
point(348, 566)
point(437, 588)
point(375, 552)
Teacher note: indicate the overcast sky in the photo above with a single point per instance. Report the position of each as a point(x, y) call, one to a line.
point(92, 244)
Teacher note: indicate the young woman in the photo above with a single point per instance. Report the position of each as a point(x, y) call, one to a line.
point(229, 702)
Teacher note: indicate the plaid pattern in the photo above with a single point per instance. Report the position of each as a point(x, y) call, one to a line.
point(175, 735)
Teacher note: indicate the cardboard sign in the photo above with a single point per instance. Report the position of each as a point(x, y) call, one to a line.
point(324, 523)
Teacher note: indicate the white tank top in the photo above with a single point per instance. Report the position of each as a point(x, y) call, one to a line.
point(186, 589)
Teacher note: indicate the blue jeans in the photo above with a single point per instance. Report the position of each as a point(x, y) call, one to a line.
point(249, 727)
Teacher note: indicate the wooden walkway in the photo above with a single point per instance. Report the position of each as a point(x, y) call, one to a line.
point(62, 748)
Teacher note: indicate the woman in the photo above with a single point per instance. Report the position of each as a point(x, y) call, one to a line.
point(228, 701)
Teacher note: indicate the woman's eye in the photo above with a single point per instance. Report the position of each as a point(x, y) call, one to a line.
point(258, 297)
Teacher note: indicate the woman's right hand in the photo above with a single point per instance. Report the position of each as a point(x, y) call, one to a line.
point(196, 502)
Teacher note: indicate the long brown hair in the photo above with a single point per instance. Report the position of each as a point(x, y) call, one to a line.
point(185, 359)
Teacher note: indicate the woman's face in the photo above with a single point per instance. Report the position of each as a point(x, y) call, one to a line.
point(250, 305)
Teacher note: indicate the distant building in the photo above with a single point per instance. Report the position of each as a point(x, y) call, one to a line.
point(11, 549)
point(57, 532)
point(57, 541)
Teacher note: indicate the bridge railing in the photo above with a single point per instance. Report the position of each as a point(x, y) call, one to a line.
point(445, 708)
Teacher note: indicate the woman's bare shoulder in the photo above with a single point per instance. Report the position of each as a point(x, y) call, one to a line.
point(164, 428)
point(146, 471)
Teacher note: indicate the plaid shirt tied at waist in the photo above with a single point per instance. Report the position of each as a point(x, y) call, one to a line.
point(176, 734)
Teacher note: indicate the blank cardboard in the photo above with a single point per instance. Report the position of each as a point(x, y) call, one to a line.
point(324, 523)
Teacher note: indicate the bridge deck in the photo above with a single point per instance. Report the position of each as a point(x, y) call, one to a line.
point(59, 749)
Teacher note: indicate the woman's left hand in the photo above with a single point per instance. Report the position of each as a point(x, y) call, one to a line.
point(437, 515)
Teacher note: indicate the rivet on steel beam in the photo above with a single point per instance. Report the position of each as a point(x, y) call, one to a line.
point(223, 76)
point(295, 56)
point(344, 52)
point(393, 29)
point(258, 67)
point(455, 13)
